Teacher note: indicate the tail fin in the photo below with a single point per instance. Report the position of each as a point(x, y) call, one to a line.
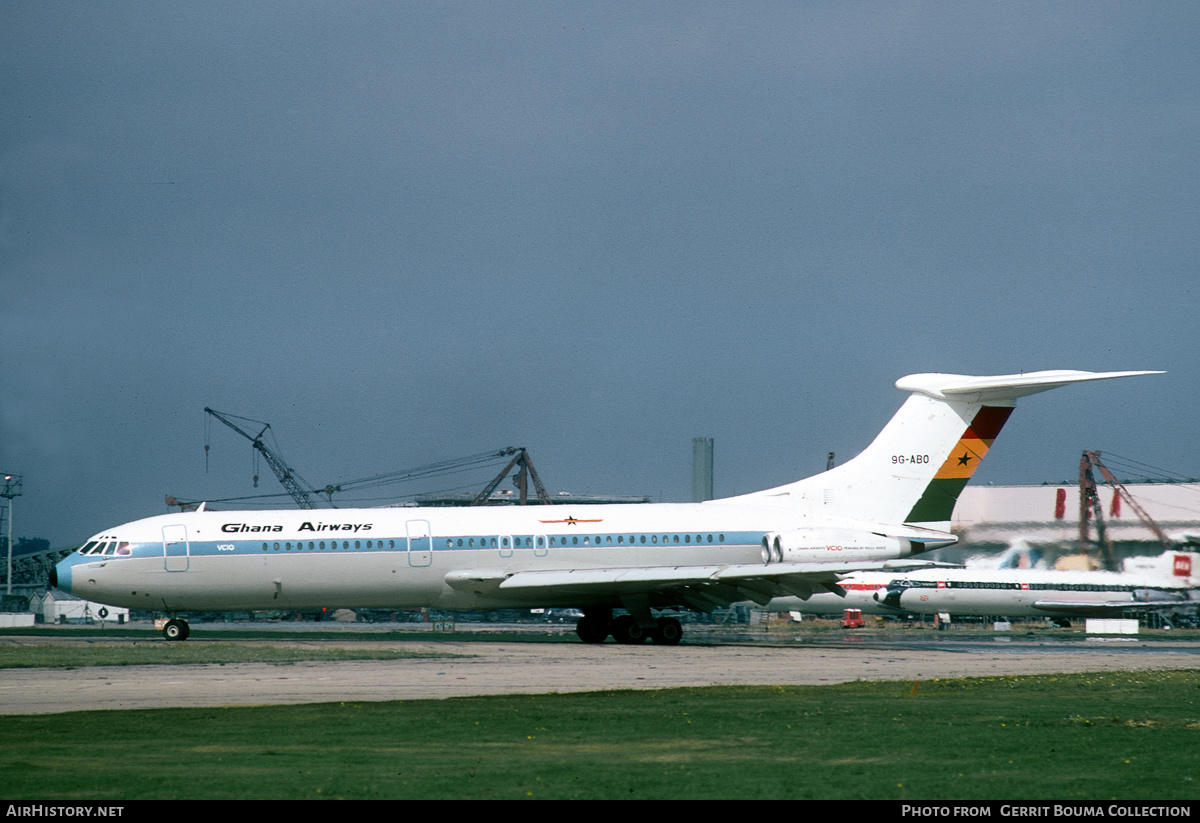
point(914, 470)
point(1174, 568)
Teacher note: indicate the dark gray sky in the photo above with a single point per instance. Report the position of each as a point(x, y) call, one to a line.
point(404, 232)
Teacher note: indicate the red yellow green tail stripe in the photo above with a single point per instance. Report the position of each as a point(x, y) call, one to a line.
point(937, 502)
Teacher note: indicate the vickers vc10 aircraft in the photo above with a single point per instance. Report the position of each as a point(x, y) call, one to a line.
point(891, 502)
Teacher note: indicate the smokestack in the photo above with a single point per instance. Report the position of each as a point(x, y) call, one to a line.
point(702, 469)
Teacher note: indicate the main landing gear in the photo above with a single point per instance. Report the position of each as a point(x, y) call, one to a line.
point(176, 630)
point(595, 627)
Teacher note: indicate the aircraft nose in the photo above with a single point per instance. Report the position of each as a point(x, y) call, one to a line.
point(888, 597)
point(60, 575)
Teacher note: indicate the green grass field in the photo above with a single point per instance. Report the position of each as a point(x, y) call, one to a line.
point(160, 652)
point(1066, 737)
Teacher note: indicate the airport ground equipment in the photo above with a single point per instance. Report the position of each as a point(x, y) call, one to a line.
point(853, 619)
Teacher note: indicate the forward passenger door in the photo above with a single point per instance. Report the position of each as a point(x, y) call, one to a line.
point(420, 543)
point(176, 550)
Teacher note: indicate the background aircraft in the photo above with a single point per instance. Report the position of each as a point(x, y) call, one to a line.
point(1166, 583)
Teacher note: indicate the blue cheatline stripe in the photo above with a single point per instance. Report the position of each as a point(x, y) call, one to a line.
point(455, 543)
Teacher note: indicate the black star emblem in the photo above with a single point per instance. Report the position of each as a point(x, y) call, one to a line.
point(964, 460)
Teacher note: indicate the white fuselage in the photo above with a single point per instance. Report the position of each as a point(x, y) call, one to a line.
point(1032, 592)
point(402, 557)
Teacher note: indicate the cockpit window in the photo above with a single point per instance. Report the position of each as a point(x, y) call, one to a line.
point(106, 546)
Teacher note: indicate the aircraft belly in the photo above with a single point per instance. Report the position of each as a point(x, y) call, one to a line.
point(967, 602)
point(1000, 603)
point(236, 582)
point(380, 580)
point(830, 604)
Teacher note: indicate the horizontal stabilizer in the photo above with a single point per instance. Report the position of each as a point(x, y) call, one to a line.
point(1001, 389)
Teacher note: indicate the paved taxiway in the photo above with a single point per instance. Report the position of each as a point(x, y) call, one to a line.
point(496, 667)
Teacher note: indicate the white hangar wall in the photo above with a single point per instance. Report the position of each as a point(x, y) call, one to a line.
point(998, 515)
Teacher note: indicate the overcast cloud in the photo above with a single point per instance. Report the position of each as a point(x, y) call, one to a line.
point(404, 232)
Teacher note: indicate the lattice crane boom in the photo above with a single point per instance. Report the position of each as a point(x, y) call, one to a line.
point(286, 476)
point(1094, 459)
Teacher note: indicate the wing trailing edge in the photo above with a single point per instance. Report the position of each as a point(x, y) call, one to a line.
point(713, 585)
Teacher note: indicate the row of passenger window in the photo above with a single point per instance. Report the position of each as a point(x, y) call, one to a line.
point(1069, 587)
point(333, 544)
point(509, 542)
point(540, 541)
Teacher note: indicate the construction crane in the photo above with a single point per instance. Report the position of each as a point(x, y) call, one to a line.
point(1089, 505)
point(522, 478)
point(303, 493)
point(286, 476)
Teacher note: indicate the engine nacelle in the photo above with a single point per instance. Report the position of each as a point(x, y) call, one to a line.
point(824, 545)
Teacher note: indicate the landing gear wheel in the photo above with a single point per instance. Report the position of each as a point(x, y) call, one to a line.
point(592, 629)
point(668, 633)
point(176, 630)
point(626, 630)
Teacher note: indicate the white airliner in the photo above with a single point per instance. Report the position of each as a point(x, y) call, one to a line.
point(1166, 583)
point(860, 587)
point(1169, 582)
point(892, 501)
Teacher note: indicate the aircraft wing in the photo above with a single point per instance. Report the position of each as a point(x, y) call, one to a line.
point(701, 588)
